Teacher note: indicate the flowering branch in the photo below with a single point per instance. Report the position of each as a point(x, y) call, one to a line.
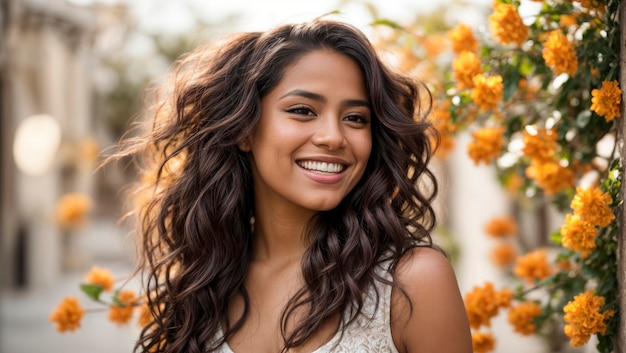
point(540, 97)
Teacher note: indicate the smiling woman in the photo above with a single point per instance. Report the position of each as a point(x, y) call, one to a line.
point(316, 119)
point(280, 210)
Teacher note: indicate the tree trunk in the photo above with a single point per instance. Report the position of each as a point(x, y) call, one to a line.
point(620, 342)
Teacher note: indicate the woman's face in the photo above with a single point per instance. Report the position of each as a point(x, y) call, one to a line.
point(312, 143)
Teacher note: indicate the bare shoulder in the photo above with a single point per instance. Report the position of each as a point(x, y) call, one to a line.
point(435, 319)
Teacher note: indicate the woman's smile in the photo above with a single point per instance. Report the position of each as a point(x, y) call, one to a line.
point(323, 172)
point(322, 167)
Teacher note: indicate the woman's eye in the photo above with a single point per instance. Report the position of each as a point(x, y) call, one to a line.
point(301, 111)
point(356, 119)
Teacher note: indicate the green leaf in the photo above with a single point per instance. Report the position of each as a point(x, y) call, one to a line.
point(605, 343)
point(606, 285)
point(511, 84)
point(583, 118)
point(386, 22)
point(93, 291)
point(116, 299)
point(556, 237)
point(525, 66)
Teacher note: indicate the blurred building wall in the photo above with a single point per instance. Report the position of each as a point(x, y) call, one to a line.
point(44, 65)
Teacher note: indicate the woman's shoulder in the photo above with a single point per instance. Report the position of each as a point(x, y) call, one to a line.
point(422, 262)
point(433, 318)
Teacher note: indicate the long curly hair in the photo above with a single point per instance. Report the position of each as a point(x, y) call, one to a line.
point(194, 201)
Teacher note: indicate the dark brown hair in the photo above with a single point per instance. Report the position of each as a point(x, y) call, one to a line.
point(196, 202)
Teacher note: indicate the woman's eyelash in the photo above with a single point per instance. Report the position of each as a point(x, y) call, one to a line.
point(301, 111)
point(306, 111)
point(357, 118)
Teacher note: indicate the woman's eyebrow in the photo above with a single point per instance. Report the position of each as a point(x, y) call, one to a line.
point(322, 99)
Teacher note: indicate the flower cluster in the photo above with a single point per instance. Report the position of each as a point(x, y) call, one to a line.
point(606, 100)
point(503, 254)
point(68, 314)
point(466, 66)
point(483, 342)
point(559, 54)
point(483, 303)
point(584, 317)
point(101, 277)
point(502, 229)
point(545, 168)
point(591, 210)
point(521, 317)
point(507, 25)
point(550, 175)
point(487, 91)
point(540, 144)
point(533, 266)
point(463, 39)
point(486, 145)
point(122, 309)
point(440, 118)
point(72, 210)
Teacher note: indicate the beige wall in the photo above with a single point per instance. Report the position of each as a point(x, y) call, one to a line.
point(44, 71)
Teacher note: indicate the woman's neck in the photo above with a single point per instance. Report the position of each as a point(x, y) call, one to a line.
point(279, 235)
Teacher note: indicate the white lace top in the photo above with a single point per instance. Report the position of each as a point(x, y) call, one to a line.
point(363, 335)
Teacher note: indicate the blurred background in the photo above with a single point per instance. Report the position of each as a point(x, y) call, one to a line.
point(71, 76)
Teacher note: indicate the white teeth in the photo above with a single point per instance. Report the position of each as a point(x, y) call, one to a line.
point(321, 166)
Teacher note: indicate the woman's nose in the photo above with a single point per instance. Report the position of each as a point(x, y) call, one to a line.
point(329, 134)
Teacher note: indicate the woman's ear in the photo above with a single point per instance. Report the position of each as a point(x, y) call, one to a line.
point(244, 144)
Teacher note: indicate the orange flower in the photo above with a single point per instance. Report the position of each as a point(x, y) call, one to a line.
point(72, 209)
point(503, 254)
point(507, 25)
point(501, 227)
point(440, 119)
point(483, 342)
point(487, 91)
point(559, 54)
point(504, 298)
point(539, 144)
point(434, 44)
point(446, 145)
point(483, 303)
point(593, 5)
point(487, 144)
point(592, 205)
point(466, 66)
point(532, 266)
point(564, 265)
point(568, 20)
point(100, 276)
point(408, 58)
point(528, 89)
point(578, 235)
point(122, 313)
point(606, 100)
point(521, 316)
point(513, 182)
point(145, 316)
point(551, 176)
point(89, 150)
point(583, 318)
point(463, 39)
point(67, 315)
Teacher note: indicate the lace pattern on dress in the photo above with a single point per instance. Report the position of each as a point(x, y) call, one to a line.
point(369, 333)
